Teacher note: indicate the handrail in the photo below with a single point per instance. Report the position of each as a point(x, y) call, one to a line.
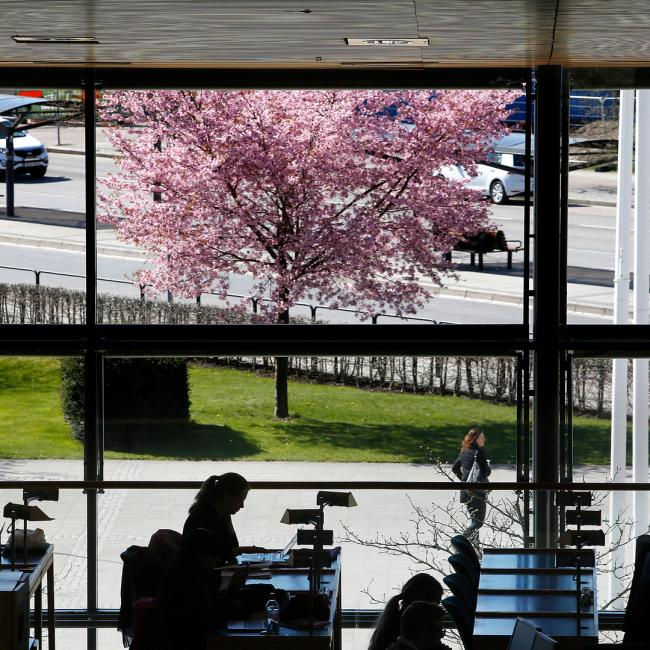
point(254, 300)
point(319, 485)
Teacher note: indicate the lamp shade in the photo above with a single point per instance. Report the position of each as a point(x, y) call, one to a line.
point(28, 513)
point(302, 516)
point(344, 499)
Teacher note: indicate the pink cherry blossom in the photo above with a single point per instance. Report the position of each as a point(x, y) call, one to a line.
point(319, 194)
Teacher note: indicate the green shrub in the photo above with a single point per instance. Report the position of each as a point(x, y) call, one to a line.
point(142, 397)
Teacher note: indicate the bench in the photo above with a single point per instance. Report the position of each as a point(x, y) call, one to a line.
point(487, 241)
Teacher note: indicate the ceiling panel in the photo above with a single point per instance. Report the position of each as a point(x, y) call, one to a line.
point(299, 33)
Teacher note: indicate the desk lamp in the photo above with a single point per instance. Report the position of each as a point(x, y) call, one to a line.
point(44, 493)
point(27, 513)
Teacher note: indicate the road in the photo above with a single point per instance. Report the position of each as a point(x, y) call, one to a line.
point(63, 189)
point(591, 228)
point(590, 237)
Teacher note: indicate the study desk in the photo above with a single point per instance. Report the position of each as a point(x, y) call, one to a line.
point(540, 586)
point(37, 567)
point(292, 580)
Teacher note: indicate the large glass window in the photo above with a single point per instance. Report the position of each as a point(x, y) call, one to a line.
point(43, 220)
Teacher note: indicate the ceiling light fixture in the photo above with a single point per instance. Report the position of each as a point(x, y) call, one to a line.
point(390, 42)
point(54, 39)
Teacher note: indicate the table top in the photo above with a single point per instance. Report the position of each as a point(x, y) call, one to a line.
point(551, 625)
point(523, 601)
point(292, 580)
point(35, 567)
point(552, 581)
point(538, 585)
point(534, 558)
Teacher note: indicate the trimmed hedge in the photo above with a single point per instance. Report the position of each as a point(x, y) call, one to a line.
point(142, 396)
point(25, 303)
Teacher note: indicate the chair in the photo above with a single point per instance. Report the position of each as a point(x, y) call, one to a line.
point(460, 586)
point(460, 564)
point(141, 575)
point(150, 630)
point(462, 545)
point(635, 623)
point(463, 621)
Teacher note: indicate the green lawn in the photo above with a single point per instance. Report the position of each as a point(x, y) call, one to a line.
point(232, 419)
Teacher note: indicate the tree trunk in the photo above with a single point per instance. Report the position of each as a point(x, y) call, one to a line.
point(281, 378)
point(281, 389)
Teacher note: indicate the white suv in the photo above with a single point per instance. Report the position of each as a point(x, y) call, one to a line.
point(30, 155)
point(497, 183)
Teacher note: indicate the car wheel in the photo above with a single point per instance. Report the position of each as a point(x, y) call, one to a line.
point(38, 172)
point(498, 193)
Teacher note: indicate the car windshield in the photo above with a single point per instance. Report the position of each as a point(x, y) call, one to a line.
point(518, 161)
point(17, 134)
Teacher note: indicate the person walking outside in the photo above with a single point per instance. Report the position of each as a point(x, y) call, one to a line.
point(472, 466)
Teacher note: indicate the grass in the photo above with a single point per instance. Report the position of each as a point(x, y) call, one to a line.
point(232, 419)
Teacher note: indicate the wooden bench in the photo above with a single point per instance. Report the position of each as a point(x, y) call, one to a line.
point(487, 241)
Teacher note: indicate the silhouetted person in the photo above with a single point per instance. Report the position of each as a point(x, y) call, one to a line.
point(421, 587)
point(472, 449)
point(219, 498)
point(421, 628)
point(193, 603)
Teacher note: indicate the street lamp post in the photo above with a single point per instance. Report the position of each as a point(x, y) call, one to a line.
point(9, 173)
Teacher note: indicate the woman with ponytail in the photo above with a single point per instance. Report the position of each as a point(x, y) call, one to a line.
point(421, 586)
point(219, 498)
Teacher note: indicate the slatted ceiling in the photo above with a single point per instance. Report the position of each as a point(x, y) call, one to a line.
point(226, 33)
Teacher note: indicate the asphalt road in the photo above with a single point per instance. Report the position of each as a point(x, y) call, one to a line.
point(591, 228)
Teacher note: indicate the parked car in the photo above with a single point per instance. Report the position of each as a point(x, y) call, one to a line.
point(503, 173)
point(30, 155)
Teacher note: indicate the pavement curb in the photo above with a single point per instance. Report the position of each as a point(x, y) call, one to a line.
point(81, 152)
point(70, 246)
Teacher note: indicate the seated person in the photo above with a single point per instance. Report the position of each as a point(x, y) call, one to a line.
point(421, 628)
point(421, 586)
point(219, 498)
point(190, 595)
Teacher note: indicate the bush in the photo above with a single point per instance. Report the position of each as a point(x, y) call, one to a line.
point(142, 397)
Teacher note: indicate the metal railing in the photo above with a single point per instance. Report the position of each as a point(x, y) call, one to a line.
point(255, 301)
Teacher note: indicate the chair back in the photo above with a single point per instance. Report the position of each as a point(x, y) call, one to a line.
point(462, 619)
point(635, 620)
point(460, 586)
point(462, 545)
point(460, 564)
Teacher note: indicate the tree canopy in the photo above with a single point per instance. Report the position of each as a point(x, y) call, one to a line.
point(333, 195)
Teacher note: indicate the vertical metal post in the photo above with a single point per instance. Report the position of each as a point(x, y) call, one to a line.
point(91, 365)
point(641, 307)
point(529, 168)
point(9, 172)
point(548, 276)
point(623, 251)
point(564, 190)
point(523, 440)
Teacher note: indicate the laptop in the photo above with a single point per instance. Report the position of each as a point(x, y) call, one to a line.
point(523, 635)
point(270, 556)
